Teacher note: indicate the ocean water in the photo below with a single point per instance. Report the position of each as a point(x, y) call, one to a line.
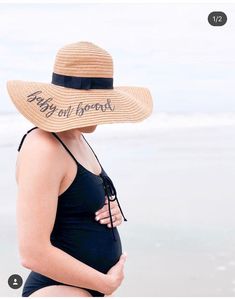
point(13, 125)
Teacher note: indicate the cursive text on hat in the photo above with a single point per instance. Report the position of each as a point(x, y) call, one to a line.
point(47, 106)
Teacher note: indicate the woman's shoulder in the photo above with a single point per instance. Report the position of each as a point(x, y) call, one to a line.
point(39, 140)
point(39, 148)
point(38, 144)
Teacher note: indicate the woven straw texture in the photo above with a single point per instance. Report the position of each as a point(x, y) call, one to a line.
point(55, 108)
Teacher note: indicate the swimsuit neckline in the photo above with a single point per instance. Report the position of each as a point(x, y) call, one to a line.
point(97, 175)
point(107, 183)
point(77, 176)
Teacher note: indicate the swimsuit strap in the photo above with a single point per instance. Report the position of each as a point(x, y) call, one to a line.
point(109, 188)
point(72, 154)
point(66, 148)
point(110, 191)
point(22, 140)
point(92, 151)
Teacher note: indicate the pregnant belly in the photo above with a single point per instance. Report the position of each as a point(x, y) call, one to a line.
point(91, 244)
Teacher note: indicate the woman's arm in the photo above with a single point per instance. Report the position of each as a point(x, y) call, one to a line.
point(38, 177)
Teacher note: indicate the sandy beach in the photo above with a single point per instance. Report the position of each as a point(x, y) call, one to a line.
point(175, 184)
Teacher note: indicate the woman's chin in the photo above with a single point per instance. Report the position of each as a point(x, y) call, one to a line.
point(89, 129)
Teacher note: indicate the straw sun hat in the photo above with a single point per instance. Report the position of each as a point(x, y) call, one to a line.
point(81, 93)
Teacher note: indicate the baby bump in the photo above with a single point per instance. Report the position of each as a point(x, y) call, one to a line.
point(93, 246)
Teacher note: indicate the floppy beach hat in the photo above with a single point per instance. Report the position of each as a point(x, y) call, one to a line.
point(81, 93)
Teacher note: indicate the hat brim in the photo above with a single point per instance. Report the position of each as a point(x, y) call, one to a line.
point(55, 108)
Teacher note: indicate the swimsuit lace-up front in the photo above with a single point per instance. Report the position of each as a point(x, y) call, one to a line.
point(111, 191)
point(75, 229)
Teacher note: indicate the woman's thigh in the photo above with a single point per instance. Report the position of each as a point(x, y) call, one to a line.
point(60, 291)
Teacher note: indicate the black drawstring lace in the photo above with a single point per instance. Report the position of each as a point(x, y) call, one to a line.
point(110, 191)
point(107, 182)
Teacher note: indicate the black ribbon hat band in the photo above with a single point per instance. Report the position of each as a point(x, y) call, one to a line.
point(82, 82)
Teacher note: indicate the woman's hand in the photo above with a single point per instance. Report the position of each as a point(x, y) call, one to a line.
point(103, 214)
point(115, 275)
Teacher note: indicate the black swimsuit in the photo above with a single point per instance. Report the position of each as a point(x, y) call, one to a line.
point(75, 229)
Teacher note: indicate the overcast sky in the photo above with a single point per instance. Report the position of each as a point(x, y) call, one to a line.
point(188, 65)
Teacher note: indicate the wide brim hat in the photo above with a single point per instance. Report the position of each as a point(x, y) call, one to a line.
point(81, 93)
